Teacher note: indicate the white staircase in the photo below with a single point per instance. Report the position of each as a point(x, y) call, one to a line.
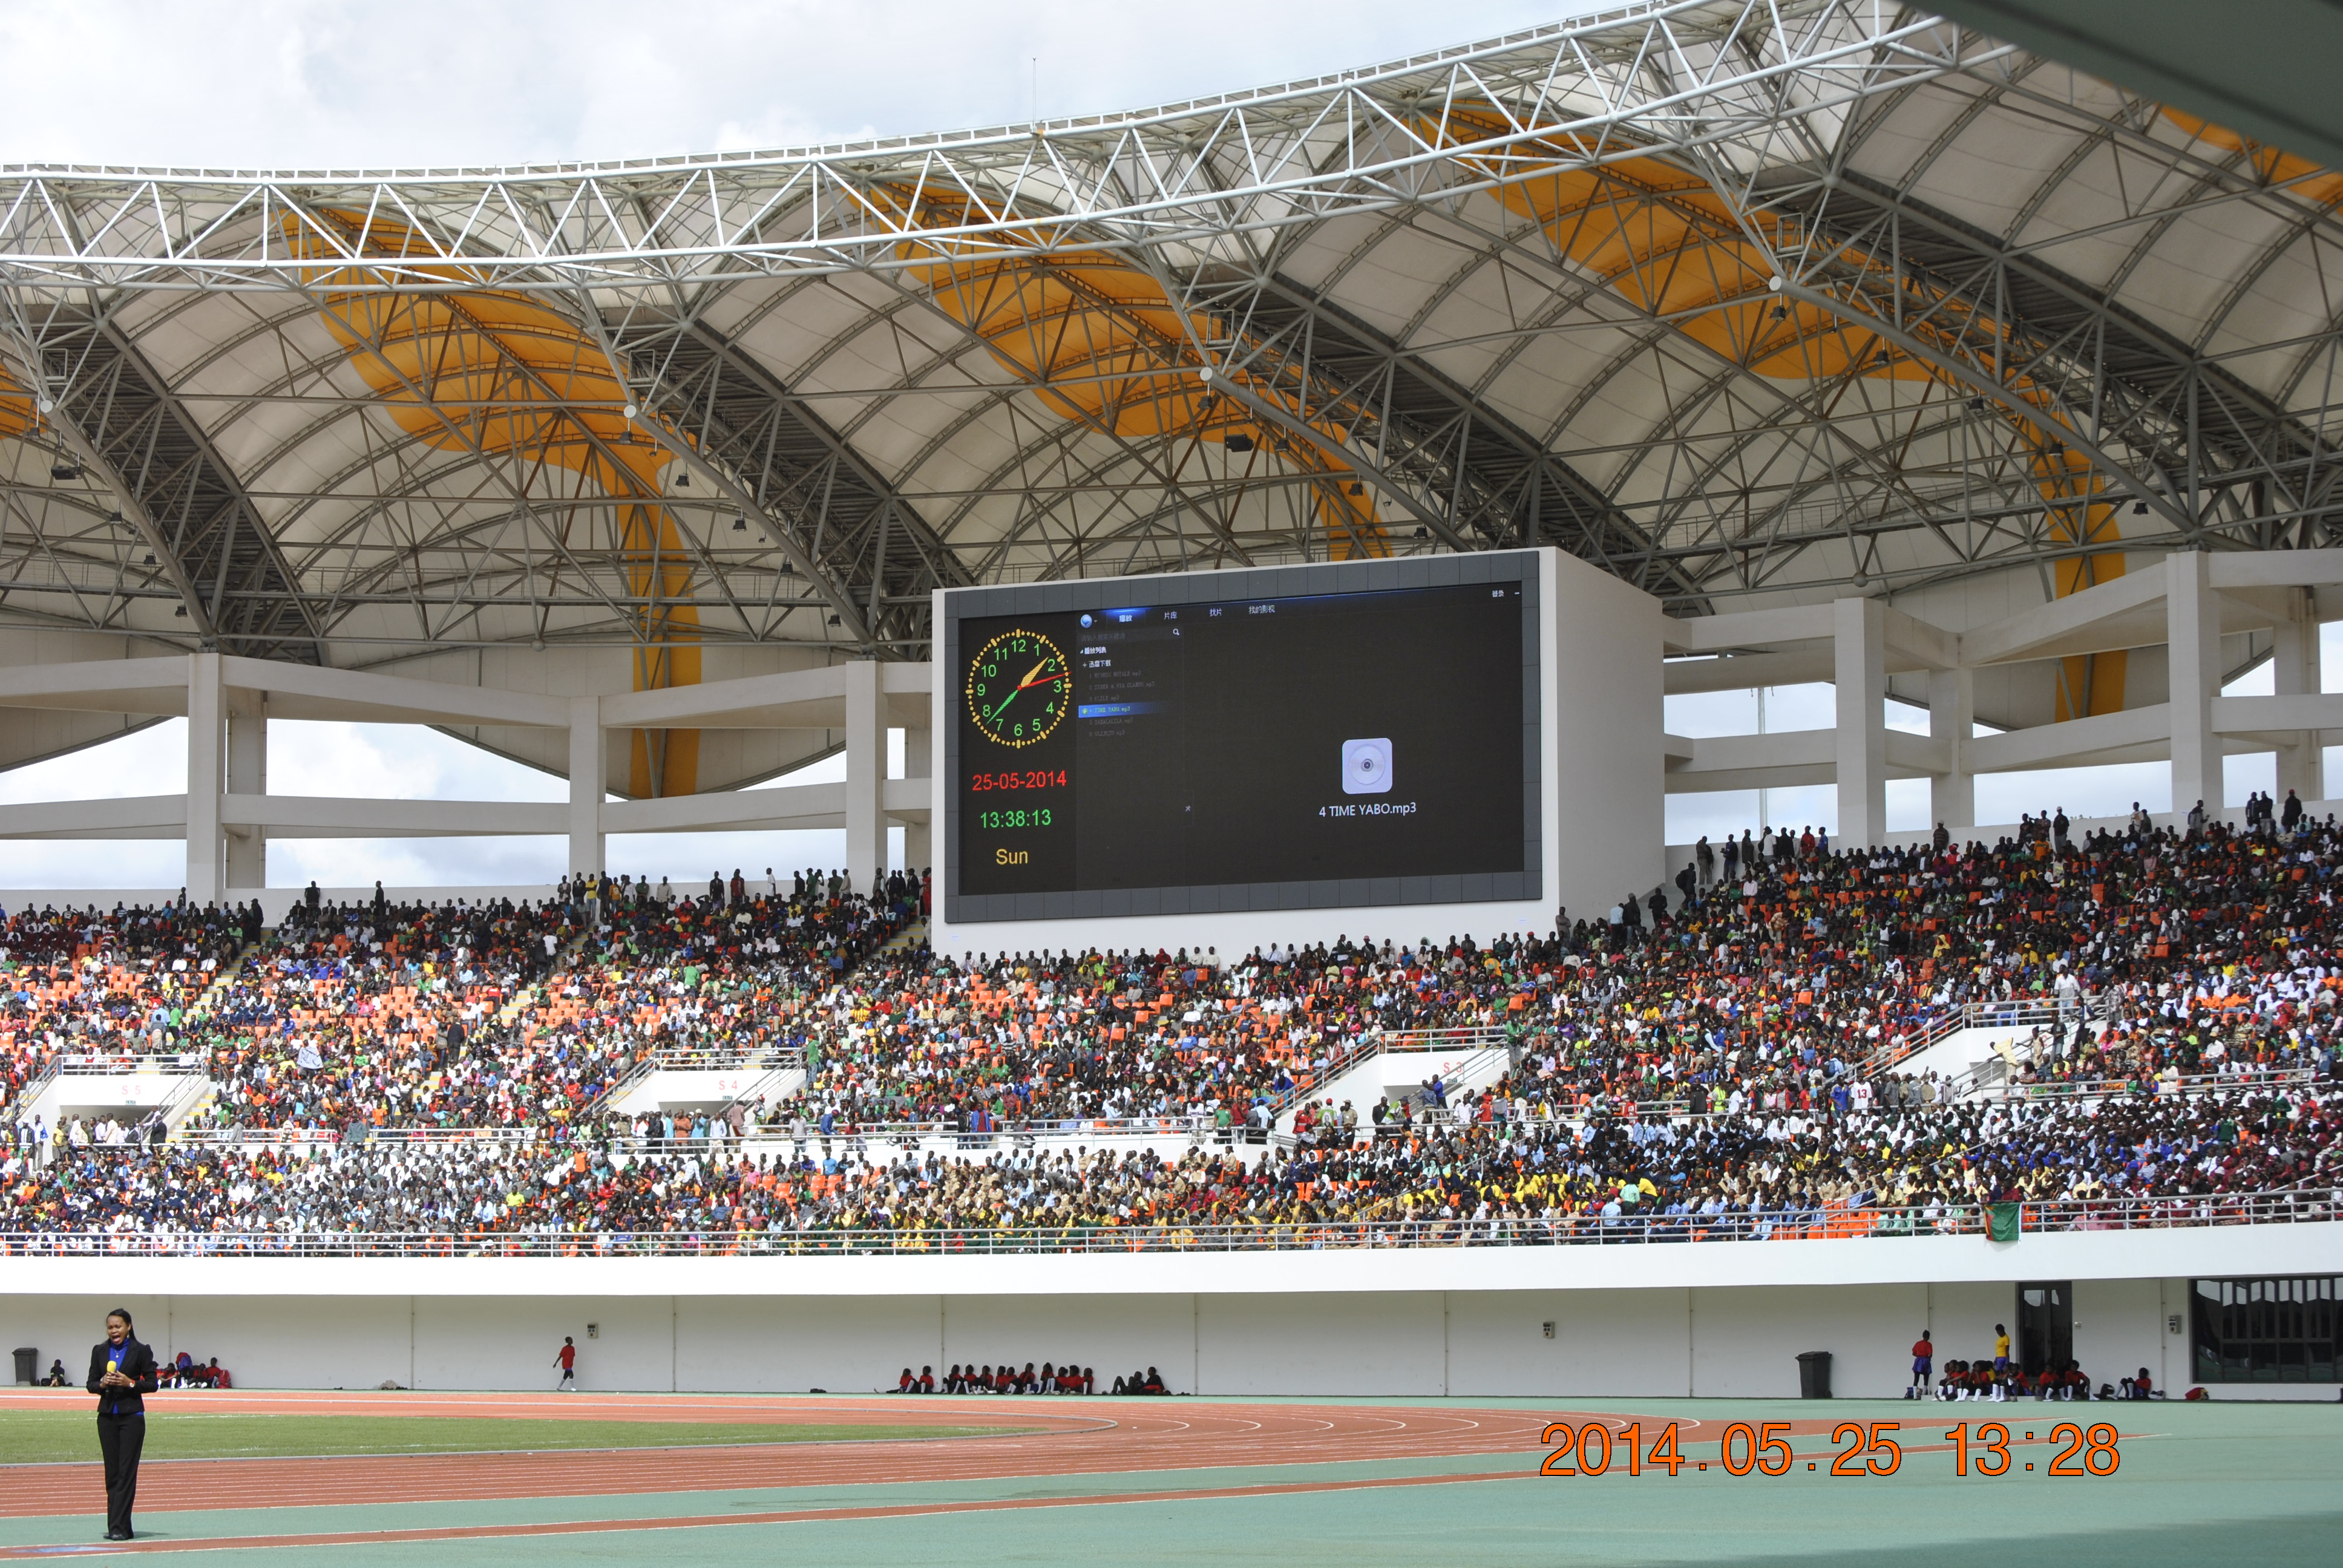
point(1961, 1051)
point(667, 1087)
point(1462, 1065)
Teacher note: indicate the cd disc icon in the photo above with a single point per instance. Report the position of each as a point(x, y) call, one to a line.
point(1367, 767)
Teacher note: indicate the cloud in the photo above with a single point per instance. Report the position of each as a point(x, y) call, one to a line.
point(396, 762)
point(152, 761)
point(308, 84)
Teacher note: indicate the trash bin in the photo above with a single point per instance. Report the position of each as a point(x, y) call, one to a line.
point(1814, 1374)
point(28, 1367)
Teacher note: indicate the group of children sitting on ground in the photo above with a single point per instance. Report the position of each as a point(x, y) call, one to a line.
point(2002, 1377)
point(180, 1372)
point(1983, 1379)
point(184, 1373)
point(1068, 1379)
point(973, 1379)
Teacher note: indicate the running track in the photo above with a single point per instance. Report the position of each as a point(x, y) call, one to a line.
point(1088, 1436)
point(1079, 1437)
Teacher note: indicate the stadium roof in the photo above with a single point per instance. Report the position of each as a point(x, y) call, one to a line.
point(1746, 302)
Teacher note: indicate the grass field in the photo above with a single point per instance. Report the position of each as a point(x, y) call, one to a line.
point(50, 1437)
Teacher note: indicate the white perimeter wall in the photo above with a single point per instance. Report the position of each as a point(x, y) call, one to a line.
point(1712, 1319)
point(1600, 644)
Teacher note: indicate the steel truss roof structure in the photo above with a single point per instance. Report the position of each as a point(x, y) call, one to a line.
point(1745, 301)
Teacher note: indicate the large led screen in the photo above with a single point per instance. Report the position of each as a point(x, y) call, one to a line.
point(1331, 738)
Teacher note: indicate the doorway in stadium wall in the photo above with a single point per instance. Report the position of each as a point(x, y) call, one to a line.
point(2045, 1324)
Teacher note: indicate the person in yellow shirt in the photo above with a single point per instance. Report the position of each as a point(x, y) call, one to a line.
point(2000, 1358)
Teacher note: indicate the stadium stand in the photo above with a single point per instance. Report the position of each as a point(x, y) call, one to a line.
point(1731, 1071)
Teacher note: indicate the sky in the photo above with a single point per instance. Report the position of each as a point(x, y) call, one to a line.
point(311, 84)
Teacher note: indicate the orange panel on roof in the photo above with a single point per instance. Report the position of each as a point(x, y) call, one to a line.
point(16, 407)
point(501, 373)
point(1102, 343)
point(1664, 239)
point(2092, 683)
point(2318, 183)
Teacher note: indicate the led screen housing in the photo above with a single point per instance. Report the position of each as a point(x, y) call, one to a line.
point(1362, 734)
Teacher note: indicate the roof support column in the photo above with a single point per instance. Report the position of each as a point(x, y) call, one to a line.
point(2294, 672)
point(1859, 645)
point(1951, 722)
point(2193, 632)
point(587, 761)
point(247, 774)
point(866, 774)
point(917, 763)
point(206, 738)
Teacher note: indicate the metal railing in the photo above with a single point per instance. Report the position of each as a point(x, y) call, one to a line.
point(1196, 1128)
point(1382, 1042)
point(1903, 1047)
point(185, 1101)
point(2012, 1013)
point(694, 1059)
point(113, 1064)
point(2188, 1084)
point(240, 1137)
point(689, 1059)
point(2322, 1206)
point(109, 1065)
point(1184, 1124)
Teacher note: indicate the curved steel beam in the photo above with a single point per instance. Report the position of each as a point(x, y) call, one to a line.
point(850, 520)
point(174, 487)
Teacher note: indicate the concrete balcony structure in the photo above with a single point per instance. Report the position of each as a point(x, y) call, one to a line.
point(227, 815)
point(2185, 604)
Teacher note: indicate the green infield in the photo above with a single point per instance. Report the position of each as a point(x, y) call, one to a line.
point(55, 1436)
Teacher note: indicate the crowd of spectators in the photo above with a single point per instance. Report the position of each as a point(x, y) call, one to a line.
point(105, 984)
point(1511, 1177)
point(1797, 981)
point(1732, 1062)
point(464, 1014)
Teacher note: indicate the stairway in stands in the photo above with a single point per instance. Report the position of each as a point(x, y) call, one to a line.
point(222, 980)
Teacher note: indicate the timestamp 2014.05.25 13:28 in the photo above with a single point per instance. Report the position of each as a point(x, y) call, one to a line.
point(1859, 1450)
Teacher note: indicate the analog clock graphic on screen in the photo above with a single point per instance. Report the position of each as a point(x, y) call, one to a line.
point(1019, 688)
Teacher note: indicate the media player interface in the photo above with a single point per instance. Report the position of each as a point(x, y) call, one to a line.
point(1348, 736)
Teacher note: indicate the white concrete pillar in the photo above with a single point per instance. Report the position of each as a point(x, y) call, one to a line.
point(1951, 722)
point(247, 774)
point(1859, 644)
point(2193, 629)
point(206, 738)
point(918, 762)
point(587, 760)
point(2294, 672)
point(866, 774)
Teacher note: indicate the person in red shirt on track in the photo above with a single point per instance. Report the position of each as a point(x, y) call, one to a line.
point(1923, 1361)
point(566, 1359)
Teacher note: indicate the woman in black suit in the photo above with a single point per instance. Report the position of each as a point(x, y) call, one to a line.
point(121, 1375)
